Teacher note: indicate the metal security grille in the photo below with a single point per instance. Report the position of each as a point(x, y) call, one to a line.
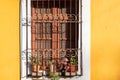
point(54, 38)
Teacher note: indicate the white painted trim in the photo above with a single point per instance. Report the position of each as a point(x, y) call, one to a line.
point(86, 39)
point(23, 36)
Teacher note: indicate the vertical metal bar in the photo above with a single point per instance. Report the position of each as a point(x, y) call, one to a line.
point(54, 35)
point(76, 5)
point(45, 43)
point(43, 38)
point(37, 25)
point(65, 3)
point(26, 37)
point(70, 21)
point(59, 4)
point(58, 34)
point(70, 30)
point(37, 40)
point(54, 3)
point(33, 31)
point(41, 33)
point(42, 3)
point(76, 30)
point(81, 34)
point(48, 4)
point(48, 32)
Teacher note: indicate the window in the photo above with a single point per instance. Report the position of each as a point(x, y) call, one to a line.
point(53, 38)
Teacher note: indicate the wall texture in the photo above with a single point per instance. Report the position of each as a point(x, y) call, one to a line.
point(105, 39)
point(9, 40)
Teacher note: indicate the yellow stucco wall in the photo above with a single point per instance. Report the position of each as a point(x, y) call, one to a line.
point(9, 40)
point(105, 39)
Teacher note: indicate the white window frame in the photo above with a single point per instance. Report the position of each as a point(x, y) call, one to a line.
point(85, 39)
